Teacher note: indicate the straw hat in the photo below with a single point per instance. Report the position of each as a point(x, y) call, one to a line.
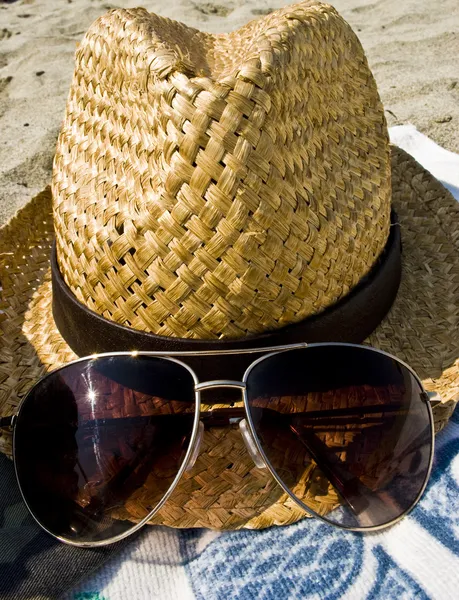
point(217, 187)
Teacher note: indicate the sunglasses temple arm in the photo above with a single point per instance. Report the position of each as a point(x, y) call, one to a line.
point(328, 463)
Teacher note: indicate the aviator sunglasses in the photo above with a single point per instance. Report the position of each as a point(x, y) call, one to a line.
point(346, 422)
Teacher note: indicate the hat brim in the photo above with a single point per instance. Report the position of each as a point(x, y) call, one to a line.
point(421, 329)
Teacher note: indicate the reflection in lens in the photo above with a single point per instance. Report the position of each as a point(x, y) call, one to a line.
point(101, 441)
point(345, 428)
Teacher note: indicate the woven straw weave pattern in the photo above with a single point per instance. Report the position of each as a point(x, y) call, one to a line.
point(216, 186)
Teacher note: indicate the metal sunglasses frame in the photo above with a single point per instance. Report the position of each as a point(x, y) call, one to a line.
point(429, 399)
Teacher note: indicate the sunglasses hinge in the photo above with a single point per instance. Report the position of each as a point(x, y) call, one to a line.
point(432, 398)
point(8, 422)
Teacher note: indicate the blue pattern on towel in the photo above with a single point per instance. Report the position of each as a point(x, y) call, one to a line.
point(438, 511)
point(289, 562)
point(392, 581)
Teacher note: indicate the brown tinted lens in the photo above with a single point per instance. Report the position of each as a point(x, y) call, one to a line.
point(347, 430)
point(100, 442)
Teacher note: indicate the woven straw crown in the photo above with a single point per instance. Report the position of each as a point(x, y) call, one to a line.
point(220, 185)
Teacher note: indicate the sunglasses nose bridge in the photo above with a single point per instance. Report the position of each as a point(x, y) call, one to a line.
point(243, 426)
point(219, 383)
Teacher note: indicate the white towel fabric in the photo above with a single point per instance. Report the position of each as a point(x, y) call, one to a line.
point(443, 164)
point(417, 558)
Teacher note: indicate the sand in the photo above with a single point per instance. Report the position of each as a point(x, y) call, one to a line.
point(412, 47)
